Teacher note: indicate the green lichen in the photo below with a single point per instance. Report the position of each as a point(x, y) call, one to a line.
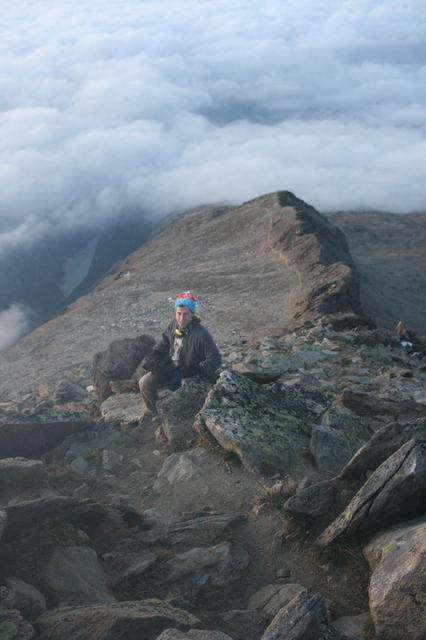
point(356, 430)
point(8, 630)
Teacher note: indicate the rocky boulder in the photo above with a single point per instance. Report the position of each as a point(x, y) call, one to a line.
point(397, 586)
point(26, 598)
point(82, 513)
point(29, 439)
point(384, 442)
point(21, 477)
point(330, 449)
point(377, 402)
point(68, 391)
point(131, 620)
point(180, 467)
point(206, 568)
point(395, 489)
point(207, 525)
point(118, 362)
point(270, 599)
point(354, 627)
point(177, 410)
point(127, 408)
point(13, 626)
point(303, 618)
point(314, 500)
point(74, 576)
point(267, 427)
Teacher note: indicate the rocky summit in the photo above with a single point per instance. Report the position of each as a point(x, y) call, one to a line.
point(283, 501)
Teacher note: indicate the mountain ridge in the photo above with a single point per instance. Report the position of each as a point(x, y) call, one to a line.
point(243, 284)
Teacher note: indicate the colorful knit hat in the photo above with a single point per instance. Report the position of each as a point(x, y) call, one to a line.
point(186, 299)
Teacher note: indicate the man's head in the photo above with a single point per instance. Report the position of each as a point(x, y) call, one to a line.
point(185, 308)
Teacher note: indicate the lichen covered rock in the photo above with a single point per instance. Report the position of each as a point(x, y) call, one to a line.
point(267, 427)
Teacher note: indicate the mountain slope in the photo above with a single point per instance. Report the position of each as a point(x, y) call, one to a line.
point(253, 268)
point(389, 251)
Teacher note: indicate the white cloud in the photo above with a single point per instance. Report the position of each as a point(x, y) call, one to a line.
point(14, 322)
point(113, 104)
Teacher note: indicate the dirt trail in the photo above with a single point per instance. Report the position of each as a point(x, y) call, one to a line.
point(221, 485)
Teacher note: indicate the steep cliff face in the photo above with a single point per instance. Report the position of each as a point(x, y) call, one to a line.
point(328, 288)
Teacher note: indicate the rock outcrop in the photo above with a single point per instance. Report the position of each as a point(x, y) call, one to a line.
point(28, 439)
point(396, 488)
point(397, 586)
point(303, 617)
point(130, 620)
point(329, 289)
point(118, 362)
point(267, 429)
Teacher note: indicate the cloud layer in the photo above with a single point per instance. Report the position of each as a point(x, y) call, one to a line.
point(14, 322)
point(109, 105)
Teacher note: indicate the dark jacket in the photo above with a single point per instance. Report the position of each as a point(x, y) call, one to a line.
point(199, 354)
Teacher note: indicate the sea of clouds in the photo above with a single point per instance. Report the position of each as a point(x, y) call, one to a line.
point(112, 105)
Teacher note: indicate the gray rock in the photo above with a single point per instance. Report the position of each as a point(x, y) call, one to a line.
point(397, 586)
point(156, 518)
point(369, 403)
point(207, 524)
point(82, 491)
point(179, 467)
point(68, 391)
point(270, 599)
point(111, 459)
point(268, 428)
point(31, 439)
point(240, 622)
point(204, 567)
point(128, 619)
point(13, 626)
point(21, 473)
point(354, 627)
point(193, 634)
point(24, 516)
point(3, 520)
point(30, 602)
point(75, 577)
point(140, 565)
point(118, 362)
point(396, 488)
point(303, 618)
point(357, 430)
point(257, 373)
point(124, 407)
point(384, 442)
point(329, 449)
point(178, 410)
point(124, 386)
point(315, 500)
point(94, 440)
point(80, 466)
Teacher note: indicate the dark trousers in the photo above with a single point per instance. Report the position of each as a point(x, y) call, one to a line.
point(149, 385)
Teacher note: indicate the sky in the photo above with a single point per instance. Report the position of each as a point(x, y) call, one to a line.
point(157, 106)
point(163, 105)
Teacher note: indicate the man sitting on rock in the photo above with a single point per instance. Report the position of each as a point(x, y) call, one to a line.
point(185, 349)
